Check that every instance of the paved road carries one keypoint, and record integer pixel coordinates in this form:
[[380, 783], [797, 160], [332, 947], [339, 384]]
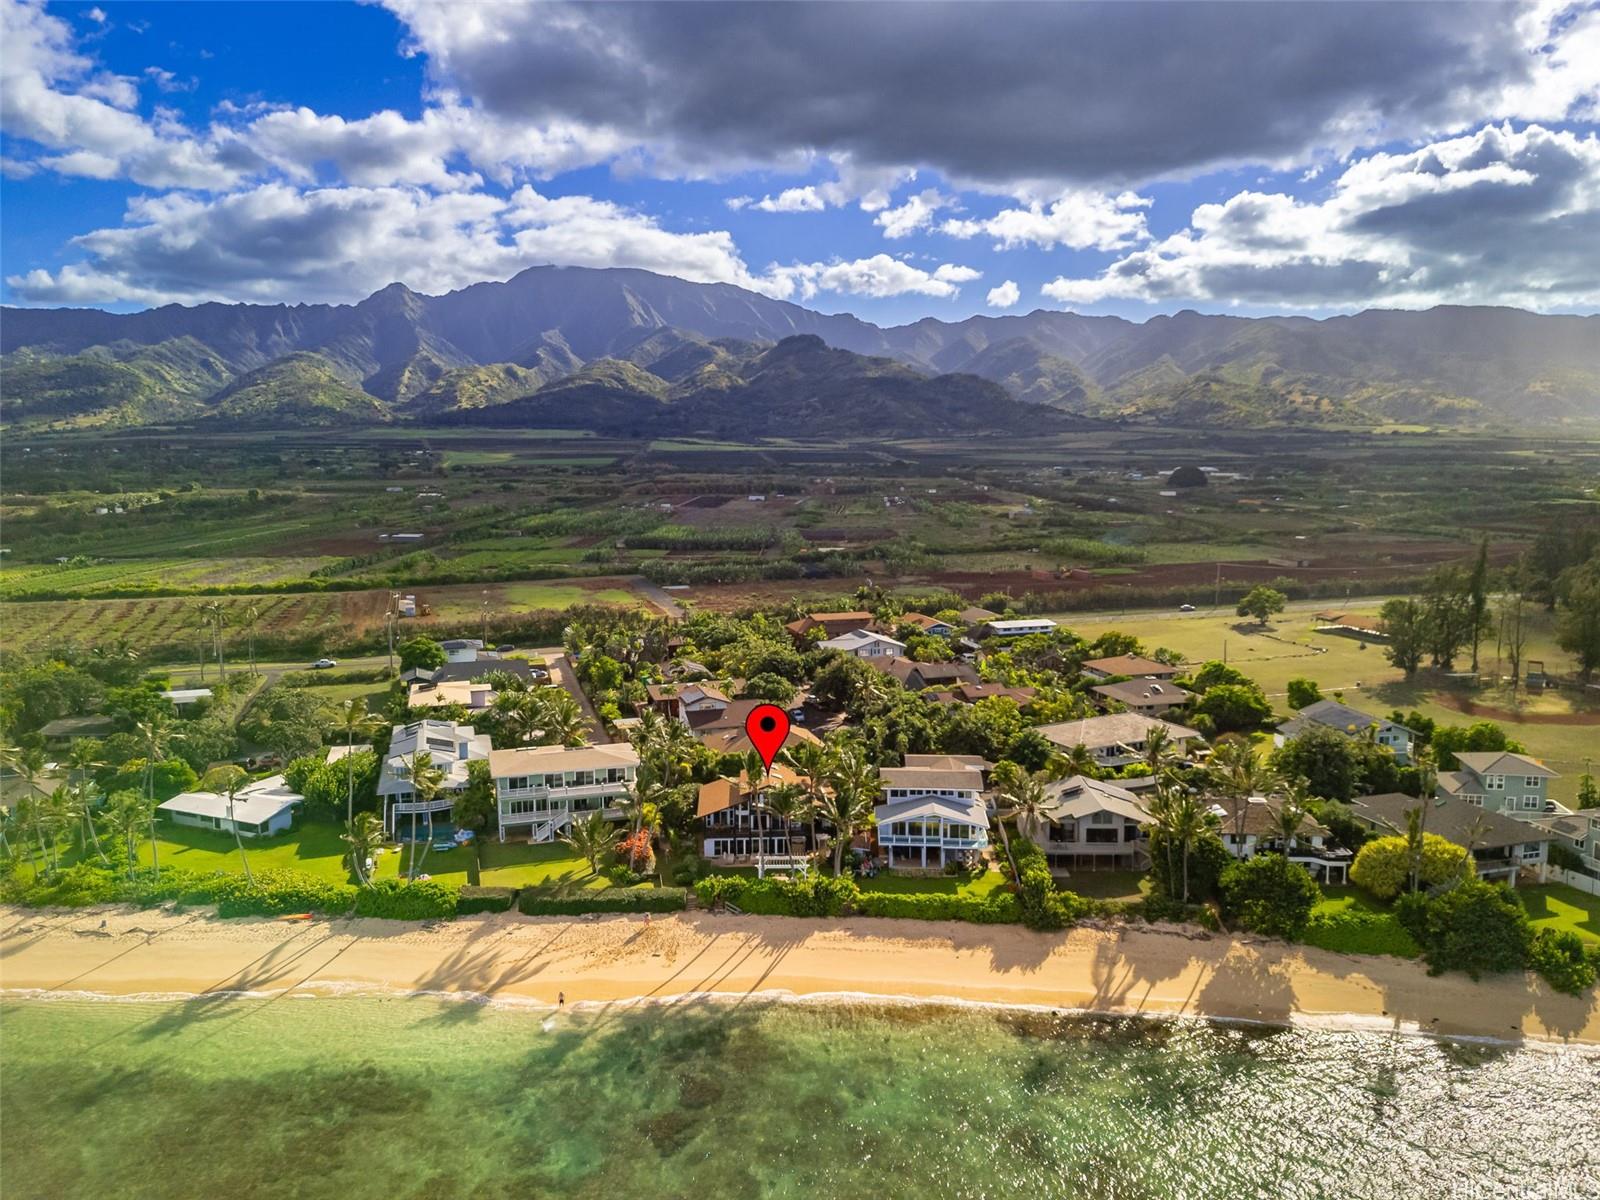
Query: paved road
[[563, 674], [658, 596]]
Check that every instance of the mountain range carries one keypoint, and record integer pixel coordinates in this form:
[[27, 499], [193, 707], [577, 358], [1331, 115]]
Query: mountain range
[[621, 350]]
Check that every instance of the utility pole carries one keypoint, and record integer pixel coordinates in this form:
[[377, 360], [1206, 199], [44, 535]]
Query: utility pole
[[1216, 595], [389, 620], [483, 617]]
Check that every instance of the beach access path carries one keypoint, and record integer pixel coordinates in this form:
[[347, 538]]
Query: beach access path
[[621, 960]]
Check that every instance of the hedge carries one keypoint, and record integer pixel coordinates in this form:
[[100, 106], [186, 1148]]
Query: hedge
[[808, 896], [639, 899], [1360, 931], [997, 908], [398, 900], [485, 899]]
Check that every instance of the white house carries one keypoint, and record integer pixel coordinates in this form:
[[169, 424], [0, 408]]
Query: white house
[[1090, 821], [540, 789], [1352, 722], [260, 809], [932, 811], [864, 643], [1019, 627], [473, 696], [450, 747], [1251, 825], [1116, 739]]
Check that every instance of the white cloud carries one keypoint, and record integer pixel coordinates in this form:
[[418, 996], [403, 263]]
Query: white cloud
[[97, 15], [793, 200], [1004, 296], [1077, 219], [914, 215], [879, 276], [1500, 216]]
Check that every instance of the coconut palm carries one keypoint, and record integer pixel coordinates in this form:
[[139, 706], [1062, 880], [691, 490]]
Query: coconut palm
[[227, 779], [364, 835], [127, 816], [214, 614], [667, 745], [591, 838], [813, 761], [250, 617], [848, 799], [1239, 774], [790, 803], [76, 803], [517, 716], [1018, 794], [353, 718], [1182, 818], [561, 718], [157, 735], [1160, 751], [426, 780], [1075, 760]]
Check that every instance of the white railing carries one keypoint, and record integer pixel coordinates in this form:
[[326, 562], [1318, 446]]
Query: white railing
[[422, 806], [578, 791], [931, 839]]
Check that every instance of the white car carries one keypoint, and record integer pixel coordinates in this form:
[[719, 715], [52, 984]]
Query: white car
[[1185, 608], [322, 664]]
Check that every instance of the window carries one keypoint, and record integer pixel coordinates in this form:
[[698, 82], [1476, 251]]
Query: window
[[1530, 850], [1473, 798], [1532, 802], [1530, 781], [1494, 783]]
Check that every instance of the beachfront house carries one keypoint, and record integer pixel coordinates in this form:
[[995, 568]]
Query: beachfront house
[[932, 811], [1090, 822], [738, 827], [1148, 697], [1252, 826], [1129, 666], [259, 809], [1352, 722], [1500, 781], [539, 790], [449, 747], [1502, 847], [1117, 739]]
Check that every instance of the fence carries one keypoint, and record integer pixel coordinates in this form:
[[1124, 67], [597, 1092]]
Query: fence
[[1584, 883]]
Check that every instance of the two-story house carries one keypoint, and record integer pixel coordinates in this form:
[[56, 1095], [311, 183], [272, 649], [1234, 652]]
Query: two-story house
[[1252, 826], [449, 747], [1501, 847], [1579, 832], [1133, 666], [1500, 781], [1117, 739], [1147, 697], [916, 676], [928, 625], [539, 790], [864, 643], [682, 701], [832, 624], [738, 826], [1090, 822], [1352, 722], [932, 811]]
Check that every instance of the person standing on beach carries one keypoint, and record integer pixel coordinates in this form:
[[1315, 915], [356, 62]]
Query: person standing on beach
[[561, 999]]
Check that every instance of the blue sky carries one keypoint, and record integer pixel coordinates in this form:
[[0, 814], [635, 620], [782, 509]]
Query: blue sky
[[895, 161]]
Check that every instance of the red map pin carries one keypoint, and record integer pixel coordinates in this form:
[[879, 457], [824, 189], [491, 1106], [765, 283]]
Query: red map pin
[[767, 726]]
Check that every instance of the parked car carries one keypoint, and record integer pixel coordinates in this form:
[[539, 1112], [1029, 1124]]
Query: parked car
[[322, 664], [797, 715], [1185, 608]]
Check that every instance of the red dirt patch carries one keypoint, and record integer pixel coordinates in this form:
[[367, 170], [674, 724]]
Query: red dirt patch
[[1468, 706]]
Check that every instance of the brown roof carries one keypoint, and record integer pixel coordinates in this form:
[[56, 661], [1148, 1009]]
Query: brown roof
[[725, 793], [923, 621], [975, 615], [732, 717], [737, 741], [1452, 819], [1130, 664], [1260, 816]]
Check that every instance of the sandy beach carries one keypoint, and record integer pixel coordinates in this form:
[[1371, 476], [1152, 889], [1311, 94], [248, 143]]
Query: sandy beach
[[621, 959]]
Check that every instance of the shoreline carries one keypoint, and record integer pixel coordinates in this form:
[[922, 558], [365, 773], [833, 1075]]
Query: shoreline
[[596, 962]]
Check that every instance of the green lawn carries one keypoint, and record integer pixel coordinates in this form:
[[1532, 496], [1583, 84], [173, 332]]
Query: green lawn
[[948, 885], [1108, 885], [1557, 906]]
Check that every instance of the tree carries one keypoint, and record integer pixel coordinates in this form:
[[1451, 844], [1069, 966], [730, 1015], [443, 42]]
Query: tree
[[1238, 773], [353, 719], [1303, 692], [1180, 822], [1478, 598], [76, 806], [1269, 894], [1513, 612], [561, 720], [1588, 792], [591, 838], [1450, 740], [288, 720], [1578, 618], [1018, 794], [127, 816], [1383, 866], [1475, 927], [426, 780], [1336, 765], [789, 803], [250, 617], [1160, 751], [848, 800], [364, 836], [1261, 602], [1214, 672], [476, 808], [1234, 708], [228, 780], [1405, 625], [771, 687], [421, 652]]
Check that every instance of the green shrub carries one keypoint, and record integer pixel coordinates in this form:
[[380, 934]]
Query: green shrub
[[485, 899], [640, 899], [75, 887], [1269, 894], [397, 900], [1383, 866], [714, 889], [1360, 931], [1041, 905], [997, 908], [1561, 957], [275, 893], [1474, 927]]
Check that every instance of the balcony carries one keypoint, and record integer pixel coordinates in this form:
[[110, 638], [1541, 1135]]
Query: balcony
[[438, 804], [931, 840]]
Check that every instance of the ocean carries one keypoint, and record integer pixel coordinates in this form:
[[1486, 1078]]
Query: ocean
[[379, 1098]]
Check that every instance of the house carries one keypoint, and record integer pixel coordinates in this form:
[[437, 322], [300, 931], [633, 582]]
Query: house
[[541, 789], [183, 696], [976, 616], [260, 809], [479, 667], [1352, 722], [1501, 846], [1132, 666], [919, 675], [832, 624], [1021, 627], [473, 696], [736, 826], [932, 811], [679, 700], [462, 650], [971, 693], [450, 747], [1116, 739], [927, 624], [710, 720], [734, 740], [1090, 821], [864, 643], [65, 729], [1150, 697], [1250, 826], [1499, 781], [1579, 832]]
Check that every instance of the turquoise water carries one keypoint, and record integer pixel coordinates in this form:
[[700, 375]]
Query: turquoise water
[[363, 1097]]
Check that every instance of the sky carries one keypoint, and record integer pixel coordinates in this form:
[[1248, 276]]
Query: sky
[[895, 160]]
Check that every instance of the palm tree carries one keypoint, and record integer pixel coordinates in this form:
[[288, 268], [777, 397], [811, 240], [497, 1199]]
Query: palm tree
[[227, 779], [1239, 775], [1077, 760], [364, 835], [215, 614], [590, 838], [353, 718], [560, 717], [249, 616], [814, 762], [1018, 794], [1288, 819], [1160, 751], [157, 737], [128, 815], [789, 803], [517, 715], [77, 810], [1181, 817], [847, 803], [426, 780], [666, 744]]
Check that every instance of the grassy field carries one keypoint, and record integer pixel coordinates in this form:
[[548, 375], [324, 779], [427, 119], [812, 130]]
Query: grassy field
[[1557, 906]]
